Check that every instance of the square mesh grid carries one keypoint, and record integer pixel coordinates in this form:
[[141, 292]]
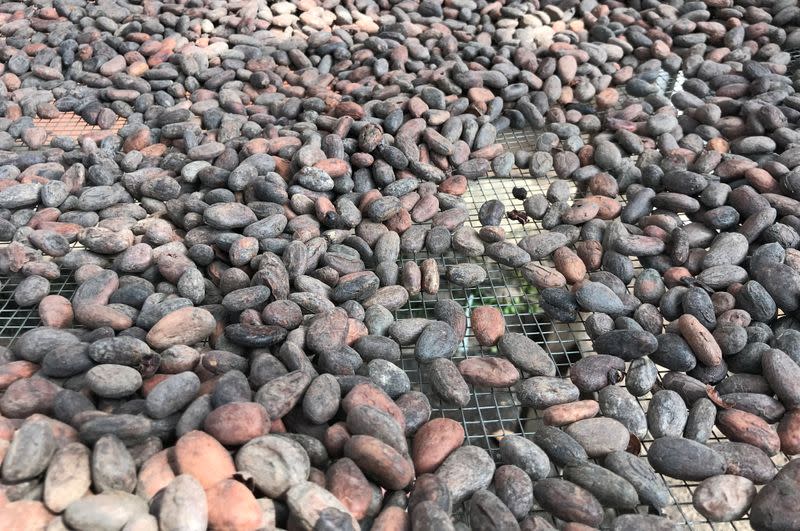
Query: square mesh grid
[[14, 320], [794, 62], [71, 125]]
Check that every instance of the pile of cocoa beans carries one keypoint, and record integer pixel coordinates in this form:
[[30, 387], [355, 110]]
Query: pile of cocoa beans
[[290, 174]]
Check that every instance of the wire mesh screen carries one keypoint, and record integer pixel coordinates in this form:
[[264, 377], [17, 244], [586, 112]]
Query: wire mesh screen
[[794, 63], [71, 125], [15, 320]]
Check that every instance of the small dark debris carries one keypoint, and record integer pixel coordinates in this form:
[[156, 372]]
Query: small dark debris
[[518, 215]]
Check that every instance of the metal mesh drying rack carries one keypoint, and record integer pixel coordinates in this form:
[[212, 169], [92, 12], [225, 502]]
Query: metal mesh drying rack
[[491, 413]]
